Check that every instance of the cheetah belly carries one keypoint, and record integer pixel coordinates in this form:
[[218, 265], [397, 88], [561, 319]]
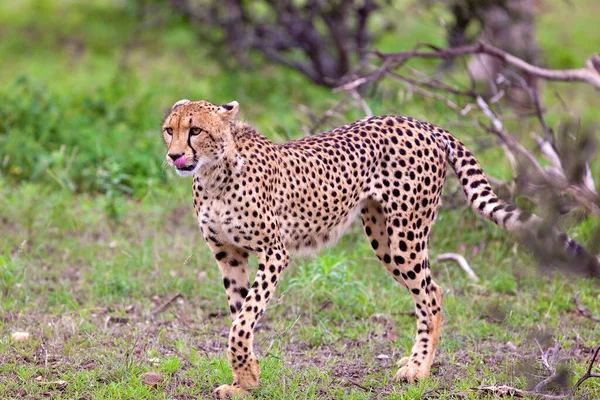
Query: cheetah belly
[[305, 236]]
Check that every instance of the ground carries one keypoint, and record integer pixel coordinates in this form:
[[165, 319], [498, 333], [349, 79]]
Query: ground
[[85, 288]]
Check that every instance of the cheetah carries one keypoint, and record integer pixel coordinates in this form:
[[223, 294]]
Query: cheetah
[[252, 195]]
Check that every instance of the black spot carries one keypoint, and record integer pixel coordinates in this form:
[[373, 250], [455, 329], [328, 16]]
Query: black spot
[[399, 260], [403, 246]]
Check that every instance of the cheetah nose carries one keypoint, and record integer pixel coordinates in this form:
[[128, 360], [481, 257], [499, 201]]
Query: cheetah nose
[[180, 161], [174, 156]]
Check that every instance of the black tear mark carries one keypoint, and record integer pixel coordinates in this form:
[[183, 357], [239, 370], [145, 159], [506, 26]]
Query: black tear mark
[[189, 141]]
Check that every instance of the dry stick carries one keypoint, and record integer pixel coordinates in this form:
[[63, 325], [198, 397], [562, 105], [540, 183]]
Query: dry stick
[[582, 310], [588, 74], [373, 76], [549, 366], [166, 305], [358, 385], [363, 104], [461, 261], [508, 390]]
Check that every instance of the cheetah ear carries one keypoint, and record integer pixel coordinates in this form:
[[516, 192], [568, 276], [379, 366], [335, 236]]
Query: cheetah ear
[[180, 103], [229, 111]]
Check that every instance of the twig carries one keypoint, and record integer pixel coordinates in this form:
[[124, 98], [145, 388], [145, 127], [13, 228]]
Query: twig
[[588, 373], [582, 310], [45, 356], [504, 390], [548, 151], [166, 305], [539, 112], [461, 261], [363, 104], [358, 385], [373, 76]]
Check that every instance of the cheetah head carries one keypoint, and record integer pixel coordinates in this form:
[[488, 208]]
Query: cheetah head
[[198, 133]]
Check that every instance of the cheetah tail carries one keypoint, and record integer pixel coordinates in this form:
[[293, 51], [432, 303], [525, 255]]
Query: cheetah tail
[[549, 245]]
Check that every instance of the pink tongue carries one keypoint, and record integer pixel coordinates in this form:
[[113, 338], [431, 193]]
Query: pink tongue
[[180, 162]]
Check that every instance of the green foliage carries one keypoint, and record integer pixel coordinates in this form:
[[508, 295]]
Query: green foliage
[[12, 273], [97, 143]]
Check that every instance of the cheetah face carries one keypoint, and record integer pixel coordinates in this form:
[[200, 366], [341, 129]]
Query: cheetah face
[[197, 133]]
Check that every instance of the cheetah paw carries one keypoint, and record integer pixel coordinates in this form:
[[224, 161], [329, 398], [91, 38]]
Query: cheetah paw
[[229, 392], [409, 372], [403, 361]]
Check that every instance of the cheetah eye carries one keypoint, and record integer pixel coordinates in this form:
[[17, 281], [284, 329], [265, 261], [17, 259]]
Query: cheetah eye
[[195, 131], [169, 131]]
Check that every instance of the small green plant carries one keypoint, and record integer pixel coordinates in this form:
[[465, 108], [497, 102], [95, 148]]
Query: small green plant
[[170, 365], [12, 274]]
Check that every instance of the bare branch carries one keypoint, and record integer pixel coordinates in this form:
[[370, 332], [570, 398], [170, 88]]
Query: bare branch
[[461, 261], [589, 74], [363, 104], [318, 39]]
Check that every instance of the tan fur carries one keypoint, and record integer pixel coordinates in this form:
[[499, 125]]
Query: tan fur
[[252, 195]]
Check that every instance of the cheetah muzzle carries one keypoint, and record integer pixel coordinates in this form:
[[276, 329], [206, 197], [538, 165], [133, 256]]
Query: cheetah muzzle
[[252, 195]]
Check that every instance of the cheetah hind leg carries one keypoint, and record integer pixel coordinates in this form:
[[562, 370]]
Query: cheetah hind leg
[[413, 275], [429, 324]]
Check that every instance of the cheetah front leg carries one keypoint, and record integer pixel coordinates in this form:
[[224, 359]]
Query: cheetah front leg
[[244, 365], [233, 263]]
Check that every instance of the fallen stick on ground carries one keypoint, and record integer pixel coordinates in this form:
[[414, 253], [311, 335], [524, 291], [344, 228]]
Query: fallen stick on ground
[[461, 261], [582, 310], [164, 306], [504, 390]]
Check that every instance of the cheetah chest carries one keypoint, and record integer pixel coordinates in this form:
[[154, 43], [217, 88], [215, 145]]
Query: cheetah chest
[[217, 222]]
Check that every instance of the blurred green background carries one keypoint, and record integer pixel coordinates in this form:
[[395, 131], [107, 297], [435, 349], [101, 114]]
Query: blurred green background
[[85, 85]]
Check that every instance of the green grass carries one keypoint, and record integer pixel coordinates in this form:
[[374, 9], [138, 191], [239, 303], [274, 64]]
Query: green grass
[[96, 234], [333, 318]]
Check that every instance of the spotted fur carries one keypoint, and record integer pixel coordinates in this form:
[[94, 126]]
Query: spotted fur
[[252, 195]]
